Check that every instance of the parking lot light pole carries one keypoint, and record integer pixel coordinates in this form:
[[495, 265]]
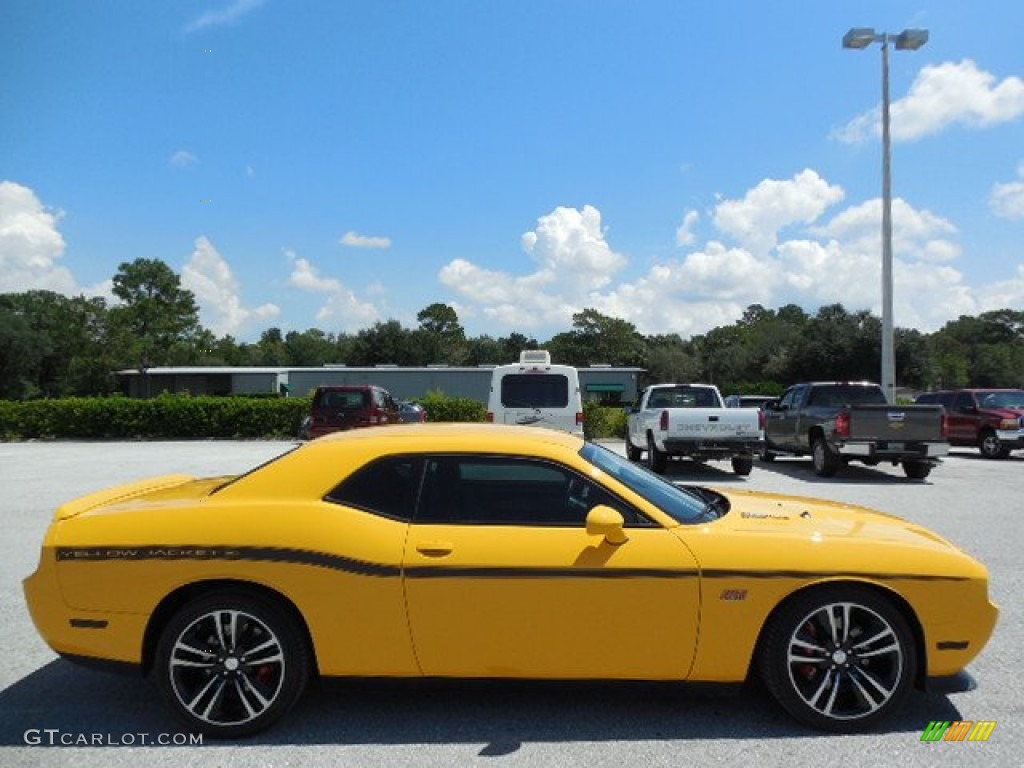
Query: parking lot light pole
[[907, 40]]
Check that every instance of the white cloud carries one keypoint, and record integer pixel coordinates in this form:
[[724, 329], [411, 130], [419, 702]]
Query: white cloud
[[943, 95], [916, 234], [573, 261], [355, 240], [342, 308], [30, 244], [684, 233], [229, 14], [183, 159], [217, 292], [786, 253], [1007, 200], [756, 220]]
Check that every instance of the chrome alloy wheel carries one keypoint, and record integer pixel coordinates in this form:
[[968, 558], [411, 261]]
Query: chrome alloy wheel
[[227, 668], [845, 661]]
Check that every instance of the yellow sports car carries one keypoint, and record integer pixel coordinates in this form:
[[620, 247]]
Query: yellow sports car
[[489, 551]]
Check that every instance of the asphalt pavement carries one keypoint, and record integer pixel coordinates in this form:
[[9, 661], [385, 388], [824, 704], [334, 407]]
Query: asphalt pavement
[[53, 713]]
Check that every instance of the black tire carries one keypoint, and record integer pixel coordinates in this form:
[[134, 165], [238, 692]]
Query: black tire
[[632, 452], [991, 446], [825, 462], [838, 658], [656, 459], [742, 465], [917, 470], [231, 663]]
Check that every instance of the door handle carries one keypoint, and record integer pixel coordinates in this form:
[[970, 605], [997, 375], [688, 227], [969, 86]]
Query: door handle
[[435, 548]]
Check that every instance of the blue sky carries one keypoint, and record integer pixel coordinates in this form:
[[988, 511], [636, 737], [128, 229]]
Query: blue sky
[[332, 164]]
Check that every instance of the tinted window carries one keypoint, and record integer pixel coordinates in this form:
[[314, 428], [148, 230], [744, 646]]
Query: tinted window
[[341, 399], [387, 487], [511, 491], [963, 401], [837, 395], [524, 390], [683, 397]]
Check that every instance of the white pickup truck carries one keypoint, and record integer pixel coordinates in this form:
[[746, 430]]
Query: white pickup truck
[[691, 420]]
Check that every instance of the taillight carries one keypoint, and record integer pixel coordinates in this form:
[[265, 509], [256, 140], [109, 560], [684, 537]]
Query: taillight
[[579, 418], [843, 424], [663, 423], [760, 420], [944, 428]]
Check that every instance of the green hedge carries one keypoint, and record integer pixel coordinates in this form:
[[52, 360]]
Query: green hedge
[[603, 421], [441, 407], [183, 416], [165, 416]]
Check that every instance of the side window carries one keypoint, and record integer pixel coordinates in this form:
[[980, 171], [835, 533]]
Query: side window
[[386, 487], [789, 398], [962, 401], [485, 490]]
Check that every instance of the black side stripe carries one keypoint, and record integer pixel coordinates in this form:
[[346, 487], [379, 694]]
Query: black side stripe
[[764, 574], [364, 568], [249, 554], [442, 572]]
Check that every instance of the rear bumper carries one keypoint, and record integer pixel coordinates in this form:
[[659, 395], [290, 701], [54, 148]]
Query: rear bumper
[[893, 450], [710, 448]]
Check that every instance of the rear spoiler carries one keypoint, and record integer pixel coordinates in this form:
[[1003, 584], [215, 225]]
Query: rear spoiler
[[119, 493]]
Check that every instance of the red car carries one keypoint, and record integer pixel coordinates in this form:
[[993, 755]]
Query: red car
[[992, 419], [337, 408]]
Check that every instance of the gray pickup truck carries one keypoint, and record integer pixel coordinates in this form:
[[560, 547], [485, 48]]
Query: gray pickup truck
[[839, 422]]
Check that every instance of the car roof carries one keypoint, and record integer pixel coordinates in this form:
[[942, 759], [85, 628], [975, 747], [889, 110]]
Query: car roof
[[451, 436]]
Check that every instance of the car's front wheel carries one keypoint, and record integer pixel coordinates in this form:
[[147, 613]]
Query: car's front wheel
[[992, 447], [838, 658], [231, 663]]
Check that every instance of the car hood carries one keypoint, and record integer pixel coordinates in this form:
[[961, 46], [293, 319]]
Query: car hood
[[818, 520], [154, 493]]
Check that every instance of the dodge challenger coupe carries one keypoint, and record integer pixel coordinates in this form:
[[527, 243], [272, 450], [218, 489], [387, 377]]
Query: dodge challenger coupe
[[490, 551]]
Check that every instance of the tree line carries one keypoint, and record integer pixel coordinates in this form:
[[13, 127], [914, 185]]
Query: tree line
[[53, 345]]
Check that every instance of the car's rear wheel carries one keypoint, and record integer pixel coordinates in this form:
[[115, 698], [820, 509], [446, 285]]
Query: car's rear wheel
[[825, 462], [917, 470], [838, 658], [656, 459], [632, 452], [231, 663], [742, 465]]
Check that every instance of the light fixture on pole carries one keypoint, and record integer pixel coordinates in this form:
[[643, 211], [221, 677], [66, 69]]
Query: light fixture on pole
[[907, 40]]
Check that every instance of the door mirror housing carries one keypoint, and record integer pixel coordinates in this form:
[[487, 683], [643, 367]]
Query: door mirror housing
[[602, 520]]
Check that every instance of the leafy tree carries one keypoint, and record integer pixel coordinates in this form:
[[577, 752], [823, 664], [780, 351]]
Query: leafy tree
[[598, 338], [155, 311], [440, 337], [385, 343]]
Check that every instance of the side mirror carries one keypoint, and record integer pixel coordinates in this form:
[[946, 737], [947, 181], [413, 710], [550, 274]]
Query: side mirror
[[602, 520]]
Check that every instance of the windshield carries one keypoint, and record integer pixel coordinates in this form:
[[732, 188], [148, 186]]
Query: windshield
[[682, 505], [1013, 398]]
